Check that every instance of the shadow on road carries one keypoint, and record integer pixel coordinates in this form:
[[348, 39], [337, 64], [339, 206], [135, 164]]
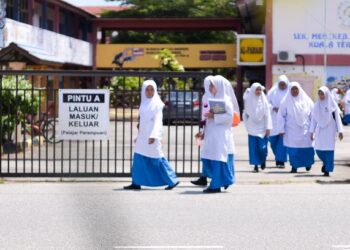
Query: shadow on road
[[309, 175], [346, 181], [278, 172]]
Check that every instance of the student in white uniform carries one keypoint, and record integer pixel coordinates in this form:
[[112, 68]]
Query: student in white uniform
[[346, 106], [294, 117], [336, 95], [258, 122], [217, 139], [275, 96], [325, 125], [202, 180], [150, 168], [230, 92], [245, 94]]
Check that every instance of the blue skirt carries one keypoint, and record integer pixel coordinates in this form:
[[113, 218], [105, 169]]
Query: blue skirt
[[278, 149], [301, 157], [327, 157], [221, 173], [346, 119], [231, 165], [230, 162], [152, 172], [257, 150]]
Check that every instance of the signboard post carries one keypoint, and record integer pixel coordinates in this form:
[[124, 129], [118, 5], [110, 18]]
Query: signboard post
[[83, 114], [251, 50]]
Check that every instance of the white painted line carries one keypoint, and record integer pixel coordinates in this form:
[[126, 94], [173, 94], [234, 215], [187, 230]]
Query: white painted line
[[169, 247], [341, 246]]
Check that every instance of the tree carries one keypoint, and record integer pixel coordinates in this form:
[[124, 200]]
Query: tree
[[174, 8], [17, 101]]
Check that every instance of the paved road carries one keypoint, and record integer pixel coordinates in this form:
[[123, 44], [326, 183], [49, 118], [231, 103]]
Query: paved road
[[102, 216]]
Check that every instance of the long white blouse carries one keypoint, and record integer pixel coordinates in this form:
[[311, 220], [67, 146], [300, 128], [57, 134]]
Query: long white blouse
[[150, 127], [218, 136], [295, 136], [325, 137]]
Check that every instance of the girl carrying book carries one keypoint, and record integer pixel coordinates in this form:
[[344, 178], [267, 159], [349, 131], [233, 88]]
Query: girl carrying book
[[217, 139]]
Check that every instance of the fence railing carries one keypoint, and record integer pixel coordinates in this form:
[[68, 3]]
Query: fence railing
[[29, 121]]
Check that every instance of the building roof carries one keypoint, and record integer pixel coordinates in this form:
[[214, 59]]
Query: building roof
[[19, 53], [98, 10], [15, 52], [72, 7]]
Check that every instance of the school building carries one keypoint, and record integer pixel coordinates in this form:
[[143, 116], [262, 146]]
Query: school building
[[309, 41]]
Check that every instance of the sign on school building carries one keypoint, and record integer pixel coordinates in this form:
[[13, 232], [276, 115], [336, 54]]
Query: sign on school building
[[144, 55], [311, 27], [83, 114], [251, 50]]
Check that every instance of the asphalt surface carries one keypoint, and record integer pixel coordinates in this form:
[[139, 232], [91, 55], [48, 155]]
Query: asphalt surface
[[103, 216]]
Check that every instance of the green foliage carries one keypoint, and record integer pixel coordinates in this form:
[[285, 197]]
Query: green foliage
[[17, 101], [130, 83], [171, 37], [168, 61], [125, 91], [174, 8]]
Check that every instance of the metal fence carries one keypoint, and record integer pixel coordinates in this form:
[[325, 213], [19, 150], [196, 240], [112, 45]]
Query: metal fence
[[29, 120]]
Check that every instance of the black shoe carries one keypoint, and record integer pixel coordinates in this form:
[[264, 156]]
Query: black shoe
[[263, 166], [202, 181], [132, 187], [294, 170], [171, 187], [308, 169], [280, 164], [326, 174], [212, 190], [323, 169], [256, 169]]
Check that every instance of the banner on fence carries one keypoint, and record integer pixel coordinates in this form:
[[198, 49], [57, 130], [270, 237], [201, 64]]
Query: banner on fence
[[83, 114]]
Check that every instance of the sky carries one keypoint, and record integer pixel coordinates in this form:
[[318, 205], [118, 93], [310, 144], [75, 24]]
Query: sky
[[91, 2]]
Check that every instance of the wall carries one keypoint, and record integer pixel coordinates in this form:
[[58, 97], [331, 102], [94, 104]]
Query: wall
[[48, 45], [319, 30]]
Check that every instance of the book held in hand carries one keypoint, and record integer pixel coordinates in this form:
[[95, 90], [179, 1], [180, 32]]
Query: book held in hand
[[217, 106]]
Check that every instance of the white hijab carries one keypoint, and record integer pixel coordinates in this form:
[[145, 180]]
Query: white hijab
[[149, 106], [246, 93], [335, 95], [229, 92], [206, 84], [221, 92], [347, 96], [256, 107], [275, 94], [301, 105], [322, 111]]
